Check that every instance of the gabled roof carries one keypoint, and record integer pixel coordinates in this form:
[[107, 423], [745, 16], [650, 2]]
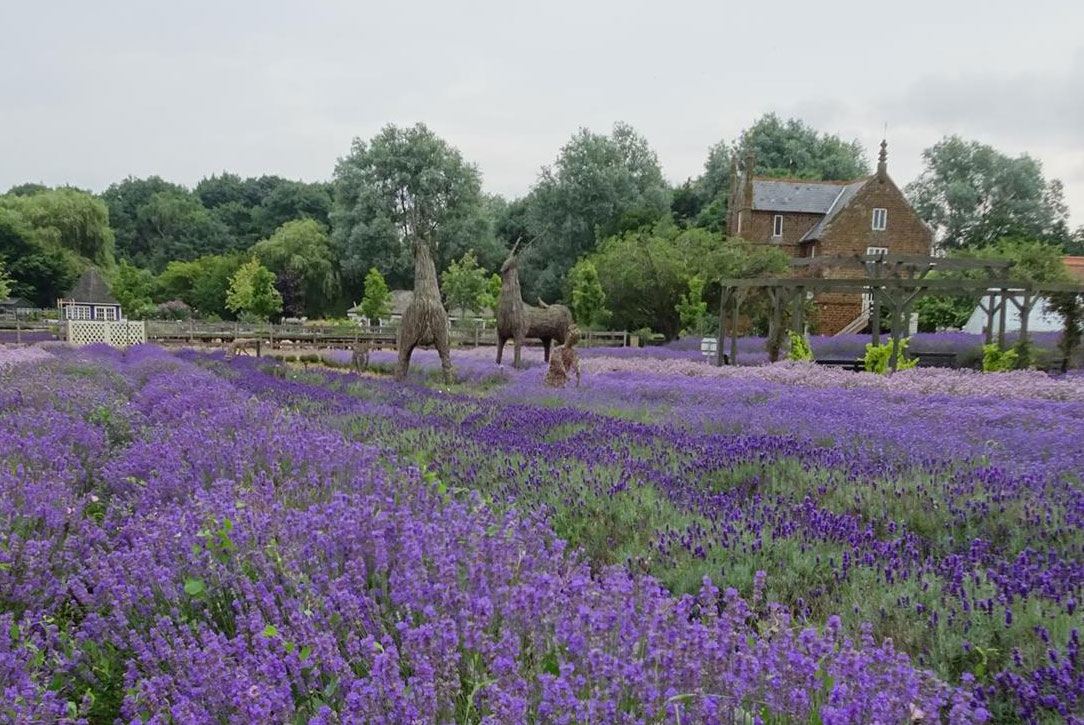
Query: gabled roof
[[845, 196], [807, 197], [16, 302], [93, 289]]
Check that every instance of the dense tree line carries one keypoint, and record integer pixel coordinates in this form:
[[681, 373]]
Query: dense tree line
[[607, 233]]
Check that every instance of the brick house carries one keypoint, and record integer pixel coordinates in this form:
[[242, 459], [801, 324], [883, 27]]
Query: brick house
[[827, 218]]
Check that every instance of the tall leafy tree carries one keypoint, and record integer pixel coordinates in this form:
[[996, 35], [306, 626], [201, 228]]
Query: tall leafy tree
[[645, 273], [406, 184], [5, 281], [464, 284], [588, 299], [599, 186], [202, 284], [134, 288], [974, 195], [792, 149], [252, 292], [158, 222], [376, 302], [292, 200], [69, 219], [692, 309], [782, 149], [41, 270], [300, 251]]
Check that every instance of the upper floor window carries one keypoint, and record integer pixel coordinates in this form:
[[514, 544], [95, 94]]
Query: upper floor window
[[777, 225], [880, 220]]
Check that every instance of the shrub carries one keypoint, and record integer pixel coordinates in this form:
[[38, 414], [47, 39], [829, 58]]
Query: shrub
[[996, 360], [878, 357], [799, 348]]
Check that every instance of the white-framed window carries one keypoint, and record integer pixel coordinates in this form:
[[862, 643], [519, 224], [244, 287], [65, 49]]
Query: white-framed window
[[777, 225], [882, 251], [880, 220], [108, 314], [77, 312]]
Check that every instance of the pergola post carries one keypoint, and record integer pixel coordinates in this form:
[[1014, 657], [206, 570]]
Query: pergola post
[[720, 341], [798, 313], [775, 323], [1002, 312], [875, 313], [739, 295], [990, 309]]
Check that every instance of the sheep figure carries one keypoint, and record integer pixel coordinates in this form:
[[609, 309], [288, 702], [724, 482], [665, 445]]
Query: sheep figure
[[241, 344], [517, 321], [425, 321]]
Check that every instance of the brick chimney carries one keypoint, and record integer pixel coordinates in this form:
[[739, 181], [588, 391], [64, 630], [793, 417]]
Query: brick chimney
[[882, 162], [733, 203]]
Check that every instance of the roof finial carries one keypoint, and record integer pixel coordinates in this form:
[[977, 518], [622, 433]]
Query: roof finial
[[882, 161]]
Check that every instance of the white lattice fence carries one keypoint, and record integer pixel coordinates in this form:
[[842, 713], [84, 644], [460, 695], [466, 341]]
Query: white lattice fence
[[116, 334]]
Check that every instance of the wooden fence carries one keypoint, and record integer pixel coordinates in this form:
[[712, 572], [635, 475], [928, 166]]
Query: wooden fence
[[275, 336]]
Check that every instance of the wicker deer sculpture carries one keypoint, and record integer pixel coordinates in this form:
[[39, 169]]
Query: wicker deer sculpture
[[424, 321], [517, 321]]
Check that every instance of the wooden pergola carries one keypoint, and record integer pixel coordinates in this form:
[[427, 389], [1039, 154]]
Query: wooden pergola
[[897, 281]]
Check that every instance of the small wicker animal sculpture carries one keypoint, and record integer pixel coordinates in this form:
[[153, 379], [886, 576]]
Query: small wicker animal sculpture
[[424, 321], [564, 361], [517, 321], [359, 358], [240, 345]]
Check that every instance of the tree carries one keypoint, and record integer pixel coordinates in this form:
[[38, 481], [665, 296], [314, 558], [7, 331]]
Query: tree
[[599, 186], [588, 297], [202, 284], [299, 252], [158, 222], [293, 200], [1030, 261], [488, 300], [134, 288], [42, 270], [5, 282], [252, 292], [782, 149], [406, 184], [791, 149], [645, 273], [973, 195], [692, 309], [27, 189], [69, 219], [376, 302], [465, 284]]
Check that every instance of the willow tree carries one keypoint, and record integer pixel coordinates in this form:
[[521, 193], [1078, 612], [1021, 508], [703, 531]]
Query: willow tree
[[398, 199]]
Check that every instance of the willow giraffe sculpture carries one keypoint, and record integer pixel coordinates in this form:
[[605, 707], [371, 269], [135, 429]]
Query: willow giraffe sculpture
[[517, 321], [424, 321]]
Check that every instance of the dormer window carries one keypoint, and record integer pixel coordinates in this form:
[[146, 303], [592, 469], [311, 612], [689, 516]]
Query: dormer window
[[777, 225], [880, 220]]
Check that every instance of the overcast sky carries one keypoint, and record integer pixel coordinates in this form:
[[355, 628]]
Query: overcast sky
[[91, 92]]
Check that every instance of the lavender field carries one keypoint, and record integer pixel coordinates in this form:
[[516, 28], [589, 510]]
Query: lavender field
[[194, 540]]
